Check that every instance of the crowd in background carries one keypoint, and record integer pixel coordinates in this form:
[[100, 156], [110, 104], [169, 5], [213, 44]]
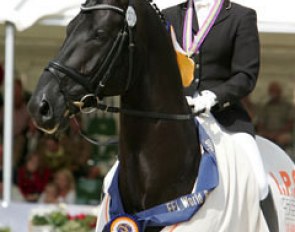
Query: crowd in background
[[275, 118], [51, 169], [70, 170]]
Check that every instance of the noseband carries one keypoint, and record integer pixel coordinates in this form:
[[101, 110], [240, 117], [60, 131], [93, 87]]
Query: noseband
[[103, 74]]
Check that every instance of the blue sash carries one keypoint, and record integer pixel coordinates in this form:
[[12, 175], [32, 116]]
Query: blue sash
[[182, 208]]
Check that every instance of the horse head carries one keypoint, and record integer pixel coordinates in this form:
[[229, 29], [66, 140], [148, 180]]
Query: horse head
[[92, 62]]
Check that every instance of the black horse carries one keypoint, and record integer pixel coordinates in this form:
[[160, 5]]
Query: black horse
[[105, 55]]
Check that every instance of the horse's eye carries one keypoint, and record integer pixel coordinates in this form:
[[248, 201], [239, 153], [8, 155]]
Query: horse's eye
[[99, 34]]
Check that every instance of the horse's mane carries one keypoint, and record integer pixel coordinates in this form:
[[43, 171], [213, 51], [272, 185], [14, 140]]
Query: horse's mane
[[156, 37], [157, 10]]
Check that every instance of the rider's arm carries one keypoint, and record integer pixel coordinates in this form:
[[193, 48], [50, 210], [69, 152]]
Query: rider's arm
[[245, 62]]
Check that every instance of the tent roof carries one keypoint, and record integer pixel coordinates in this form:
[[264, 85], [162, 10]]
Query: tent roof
[[24, 13]]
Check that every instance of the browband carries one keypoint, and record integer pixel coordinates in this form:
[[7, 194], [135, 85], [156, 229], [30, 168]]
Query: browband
[[102, 7]]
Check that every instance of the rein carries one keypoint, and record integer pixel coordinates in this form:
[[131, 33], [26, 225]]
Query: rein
[[93, 102]]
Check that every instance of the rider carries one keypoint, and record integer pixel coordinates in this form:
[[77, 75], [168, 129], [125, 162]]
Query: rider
[[226, 67]]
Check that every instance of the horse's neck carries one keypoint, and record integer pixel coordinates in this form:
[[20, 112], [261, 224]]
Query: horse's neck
[[159, 159]]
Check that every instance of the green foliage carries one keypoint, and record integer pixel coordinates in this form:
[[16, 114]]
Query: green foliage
[[61, 222], [57, 218], [40, 220]]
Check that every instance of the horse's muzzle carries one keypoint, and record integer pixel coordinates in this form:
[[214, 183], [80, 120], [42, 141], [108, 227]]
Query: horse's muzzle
[[42, 114]]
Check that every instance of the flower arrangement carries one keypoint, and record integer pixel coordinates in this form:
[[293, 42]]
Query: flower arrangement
[[58, 221]]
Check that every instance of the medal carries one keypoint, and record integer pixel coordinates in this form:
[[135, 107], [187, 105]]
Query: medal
[[186, 67], [191, 44], [124, 224], [185, 64]]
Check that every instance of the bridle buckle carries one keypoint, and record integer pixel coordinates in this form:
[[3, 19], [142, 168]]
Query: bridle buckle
[[88, 103]]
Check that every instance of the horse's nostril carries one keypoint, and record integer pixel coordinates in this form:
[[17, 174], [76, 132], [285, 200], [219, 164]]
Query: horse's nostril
[[44, 108]]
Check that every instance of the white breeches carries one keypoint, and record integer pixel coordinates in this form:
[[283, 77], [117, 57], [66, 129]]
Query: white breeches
[[249, 146]]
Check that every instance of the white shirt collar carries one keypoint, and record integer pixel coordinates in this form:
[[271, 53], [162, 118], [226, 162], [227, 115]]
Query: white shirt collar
[[202, 8], [203, 3]]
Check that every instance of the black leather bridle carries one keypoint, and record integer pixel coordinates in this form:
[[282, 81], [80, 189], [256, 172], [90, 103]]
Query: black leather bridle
[[103, 74], [104, 69]]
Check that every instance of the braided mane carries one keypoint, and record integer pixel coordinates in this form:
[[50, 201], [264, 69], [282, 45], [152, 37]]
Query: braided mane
[[158, 11]]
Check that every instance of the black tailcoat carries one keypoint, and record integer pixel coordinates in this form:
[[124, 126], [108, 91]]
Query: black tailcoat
[[227, 63]]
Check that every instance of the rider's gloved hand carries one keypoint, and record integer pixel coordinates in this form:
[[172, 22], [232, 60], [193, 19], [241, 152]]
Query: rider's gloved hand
[[203, 102]]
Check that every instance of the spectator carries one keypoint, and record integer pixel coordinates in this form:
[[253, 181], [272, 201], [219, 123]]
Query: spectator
[[32, 178], [53, 154], [34, 138], [21, 122], [78, 148], [66, 186], [277, 117], [50, 194], [250, 107], [89, 187]]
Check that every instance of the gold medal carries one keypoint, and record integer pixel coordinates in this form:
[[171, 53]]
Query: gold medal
[[186, 67]]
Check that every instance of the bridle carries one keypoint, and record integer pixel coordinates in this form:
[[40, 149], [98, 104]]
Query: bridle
[[105, 69]]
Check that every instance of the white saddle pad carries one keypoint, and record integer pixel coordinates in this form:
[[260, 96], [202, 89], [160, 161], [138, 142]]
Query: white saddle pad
[[233, 206], [281, 173]]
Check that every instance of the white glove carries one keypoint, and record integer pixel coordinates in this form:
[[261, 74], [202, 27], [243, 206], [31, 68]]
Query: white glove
[[204, 101]]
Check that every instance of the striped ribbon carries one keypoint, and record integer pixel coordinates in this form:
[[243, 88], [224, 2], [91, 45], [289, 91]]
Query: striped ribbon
[[191, 44]]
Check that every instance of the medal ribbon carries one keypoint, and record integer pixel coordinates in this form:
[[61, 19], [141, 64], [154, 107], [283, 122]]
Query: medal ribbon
[[192, 44], [182, 208]]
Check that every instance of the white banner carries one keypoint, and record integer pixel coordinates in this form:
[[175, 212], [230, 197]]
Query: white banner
[[24, 13], [273, 16]]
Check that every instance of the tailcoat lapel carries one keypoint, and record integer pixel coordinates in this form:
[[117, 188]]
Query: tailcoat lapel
[[181, 10], [224, 13]]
